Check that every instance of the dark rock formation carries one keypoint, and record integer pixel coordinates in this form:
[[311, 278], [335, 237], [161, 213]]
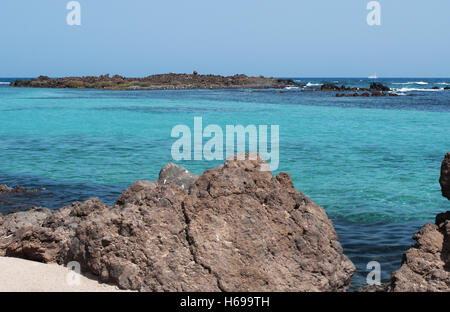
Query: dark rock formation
[[329, 87], [445, 177], [237, 229], [426, 266], [376, 86], [172, 173], [375, 89], [158, 82], [18, 189], [366, 94]]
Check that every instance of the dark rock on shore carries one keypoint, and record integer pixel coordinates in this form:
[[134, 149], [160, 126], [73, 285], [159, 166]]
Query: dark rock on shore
[[366, 94], [376, 86], [237, 228], [375, 89], [18, 189], [445, 177], [159, 82], [426, 266], [330, 87]]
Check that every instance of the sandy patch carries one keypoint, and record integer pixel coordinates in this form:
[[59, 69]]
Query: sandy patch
[[18, 275]]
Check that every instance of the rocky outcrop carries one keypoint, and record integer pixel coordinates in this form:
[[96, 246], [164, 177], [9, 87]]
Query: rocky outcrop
[[332, 87], [375, 87], [172, 173], [236, 228], [18, 189], [158, 82], [445, 177], [426, 266], [366, 94]]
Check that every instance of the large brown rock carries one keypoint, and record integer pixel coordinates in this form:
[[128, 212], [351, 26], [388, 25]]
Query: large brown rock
[[426, 266], [445, 177], [237, 229], [255, 233]]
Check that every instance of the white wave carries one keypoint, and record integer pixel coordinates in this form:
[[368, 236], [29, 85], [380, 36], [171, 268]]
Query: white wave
[[444, 83], [310, 84], [415, 89], [4, 83], [410, 83], [290, 88]]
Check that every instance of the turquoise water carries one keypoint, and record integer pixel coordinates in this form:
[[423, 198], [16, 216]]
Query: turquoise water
[[372, 163]]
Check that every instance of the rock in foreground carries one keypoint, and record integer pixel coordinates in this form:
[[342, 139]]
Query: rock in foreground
[[237, 229], [426, 266], [445, 177]]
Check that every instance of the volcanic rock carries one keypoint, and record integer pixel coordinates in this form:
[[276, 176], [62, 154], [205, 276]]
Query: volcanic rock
[[158, 82], [445, 177], [426, 266], [376, 86], [329, 87], [18, 189], [238, 228], [172, 173]]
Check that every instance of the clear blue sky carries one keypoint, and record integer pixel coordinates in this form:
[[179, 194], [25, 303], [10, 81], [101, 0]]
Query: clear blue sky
[[297, 38]]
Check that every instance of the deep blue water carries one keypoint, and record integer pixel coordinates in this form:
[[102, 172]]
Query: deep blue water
[[373, 163]]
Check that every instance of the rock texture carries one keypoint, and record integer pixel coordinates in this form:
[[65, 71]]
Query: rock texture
[[426, 266], [172, 173], [236, 228], [375, 89], [18, 189], [445, 177], [158, 82]]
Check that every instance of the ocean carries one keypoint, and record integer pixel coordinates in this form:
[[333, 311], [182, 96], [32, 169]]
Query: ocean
[[372, 163]]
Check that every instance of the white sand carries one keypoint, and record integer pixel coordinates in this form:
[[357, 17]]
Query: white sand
[[18, 275]]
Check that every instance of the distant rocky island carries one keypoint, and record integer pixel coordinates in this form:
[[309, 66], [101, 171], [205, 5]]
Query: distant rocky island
[[159, 82]]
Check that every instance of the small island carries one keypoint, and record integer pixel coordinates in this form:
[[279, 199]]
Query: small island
[[159, 82]]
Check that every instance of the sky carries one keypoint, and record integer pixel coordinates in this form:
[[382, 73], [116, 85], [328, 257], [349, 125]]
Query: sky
[[279, 38]]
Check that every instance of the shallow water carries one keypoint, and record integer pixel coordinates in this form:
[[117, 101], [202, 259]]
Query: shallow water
[[373, 163]]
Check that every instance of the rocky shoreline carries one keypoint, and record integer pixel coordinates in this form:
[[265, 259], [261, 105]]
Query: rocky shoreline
[[375, 89], [234, 228], [159, 82], [426, 265]]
